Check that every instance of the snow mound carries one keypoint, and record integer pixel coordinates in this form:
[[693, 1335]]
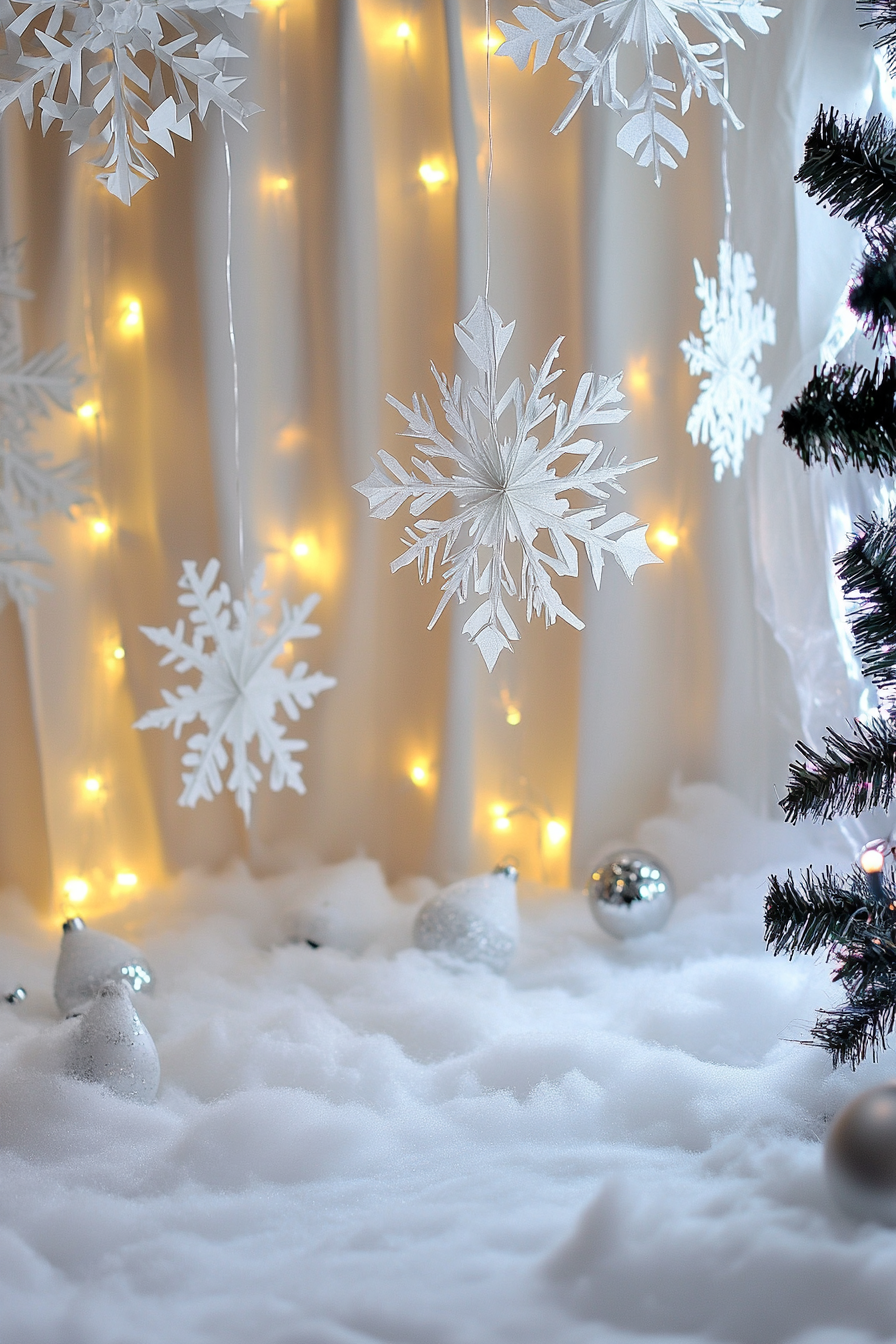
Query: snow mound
[[354, 1143]]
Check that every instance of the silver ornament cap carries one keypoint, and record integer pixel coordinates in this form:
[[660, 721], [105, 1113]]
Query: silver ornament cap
[[630, 893], [860, 1156], [88, 958], [112, 1047], [476, 920]]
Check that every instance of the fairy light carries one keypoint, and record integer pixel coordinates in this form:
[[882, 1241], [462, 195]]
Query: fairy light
[[490, 41], [100, 528], [872, 861], [300, 549], [126, 879], [93, 786], [433, 174], [118, 653], [513, 715], [668, 540], [76, 889], [404, 32], [555, 832], [419, 774], [278, 185], [130, 323], [88, 410], [637, 379]]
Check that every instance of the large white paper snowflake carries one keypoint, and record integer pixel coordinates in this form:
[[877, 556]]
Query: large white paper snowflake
[[507, 487], [31, 483], [732, 404], [118, 74], [591, 37], [240, 689]]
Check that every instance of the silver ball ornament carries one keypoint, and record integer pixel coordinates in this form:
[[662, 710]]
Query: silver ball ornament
[[88, 958], [860, 1156], [476, 920], [111, 1046], [630, 894]]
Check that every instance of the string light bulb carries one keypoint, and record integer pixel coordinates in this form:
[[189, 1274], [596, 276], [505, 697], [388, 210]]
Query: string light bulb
[[118, 653], [513, 715], [490, 41], [404, 32], [638, 381], [100, 528], [131, 321], [419, 774], [76, 889], [126, 879], [555, 831], [667, 539], [301, 548], [433, 174], [93, 786], [88, 410]]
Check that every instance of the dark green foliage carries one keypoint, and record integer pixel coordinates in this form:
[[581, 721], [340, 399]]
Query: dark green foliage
[[845, 416], [861, 1026], [873, 293], [883, 17], [867, 571], [850, 165], [850, 775], [801, 916]]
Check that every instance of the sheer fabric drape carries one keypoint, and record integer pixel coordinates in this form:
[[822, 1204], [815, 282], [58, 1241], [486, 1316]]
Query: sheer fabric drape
[[348, 274]]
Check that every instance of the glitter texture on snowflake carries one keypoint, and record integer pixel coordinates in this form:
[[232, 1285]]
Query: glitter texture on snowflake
[[31, 484], [591, 37], [118, 74], [732, 404], [240, 689], [507, 487]]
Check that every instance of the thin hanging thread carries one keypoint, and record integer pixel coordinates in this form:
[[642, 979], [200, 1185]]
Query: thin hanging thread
[[236, 377], [726, 185], [491, 146]]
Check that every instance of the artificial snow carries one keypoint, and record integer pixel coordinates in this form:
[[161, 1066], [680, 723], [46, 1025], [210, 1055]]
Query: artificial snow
[[357, 1143]]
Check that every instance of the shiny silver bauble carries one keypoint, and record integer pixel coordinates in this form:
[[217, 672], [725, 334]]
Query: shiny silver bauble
[[111, 1046], [630, 893], [476, 920], [860, 1156], [88, 958]]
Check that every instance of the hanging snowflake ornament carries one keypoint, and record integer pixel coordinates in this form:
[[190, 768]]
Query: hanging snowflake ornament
[[240, 689], [120, 73], [732, 404], [591, 37], [507, 488], [31, 483]]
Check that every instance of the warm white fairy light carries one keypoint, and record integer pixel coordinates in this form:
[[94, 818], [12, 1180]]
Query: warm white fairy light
[[433, 174], [76, 889], [130, 323], [100, 528], [126, 879], [665, 538], [555, 832], [88, 410]]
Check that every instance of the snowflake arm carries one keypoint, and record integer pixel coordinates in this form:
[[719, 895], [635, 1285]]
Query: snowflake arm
[[589, 36], [732, 403], [240, 689], [507, 488]]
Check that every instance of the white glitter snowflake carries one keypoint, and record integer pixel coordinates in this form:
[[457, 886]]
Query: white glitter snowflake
[[240, 689], [507, 487], [31, 483], [732, 404], [591, 49], [115, 73]]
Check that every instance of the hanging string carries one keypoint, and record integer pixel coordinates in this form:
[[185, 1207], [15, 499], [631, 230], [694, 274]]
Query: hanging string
[[491, 146], [726, 185], [236, 378]]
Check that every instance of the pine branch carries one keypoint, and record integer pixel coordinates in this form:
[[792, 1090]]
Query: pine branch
[[872, 296], [851, 775], [820, 909], [858, 1028], [845, 416], [867, 571], [883, 17], [850, 165]]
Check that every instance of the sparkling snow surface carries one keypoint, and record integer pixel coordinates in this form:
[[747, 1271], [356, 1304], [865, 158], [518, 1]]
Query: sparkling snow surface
[[616, 1142]]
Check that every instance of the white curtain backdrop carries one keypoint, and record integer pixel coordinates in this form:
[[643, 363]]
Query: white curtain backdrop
[[348, 274]]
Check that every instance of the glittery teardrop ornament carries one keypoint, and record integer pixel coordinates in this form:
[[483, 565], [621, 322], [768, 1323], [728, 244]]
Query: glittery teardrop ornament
[[630, 893], [475, 920], [88, 958], [860, 1156], [111, 1046]]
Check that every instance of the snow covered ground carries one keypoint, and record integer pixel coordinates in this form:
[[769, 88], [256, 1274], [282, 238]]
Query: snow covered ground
[[616, 1142]]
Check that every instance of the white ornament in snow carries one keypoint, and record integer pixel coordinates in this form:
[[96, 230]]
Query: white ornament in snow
[[31, 484], [592, 34], [732, 404], [123, 68], [88, 958], [474, 920], [507, 487], [240, 689], [111, 1046]]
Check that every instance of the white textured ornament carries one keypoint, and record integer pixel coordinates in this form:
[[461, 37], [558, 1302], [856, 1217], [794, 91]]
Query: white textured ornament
[[860, 1156], [507, 487], [88, 958], [732, 404], [474, 920], [591, 35], [630, 894], [240, 689], [112, 1047]]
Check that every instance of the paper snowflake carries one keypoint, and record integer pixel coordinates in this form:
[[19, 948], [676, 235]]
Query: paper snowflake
[[31, 484], [732, 404], [115, 73], [240, 689], [507, 487], [591, 37]]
